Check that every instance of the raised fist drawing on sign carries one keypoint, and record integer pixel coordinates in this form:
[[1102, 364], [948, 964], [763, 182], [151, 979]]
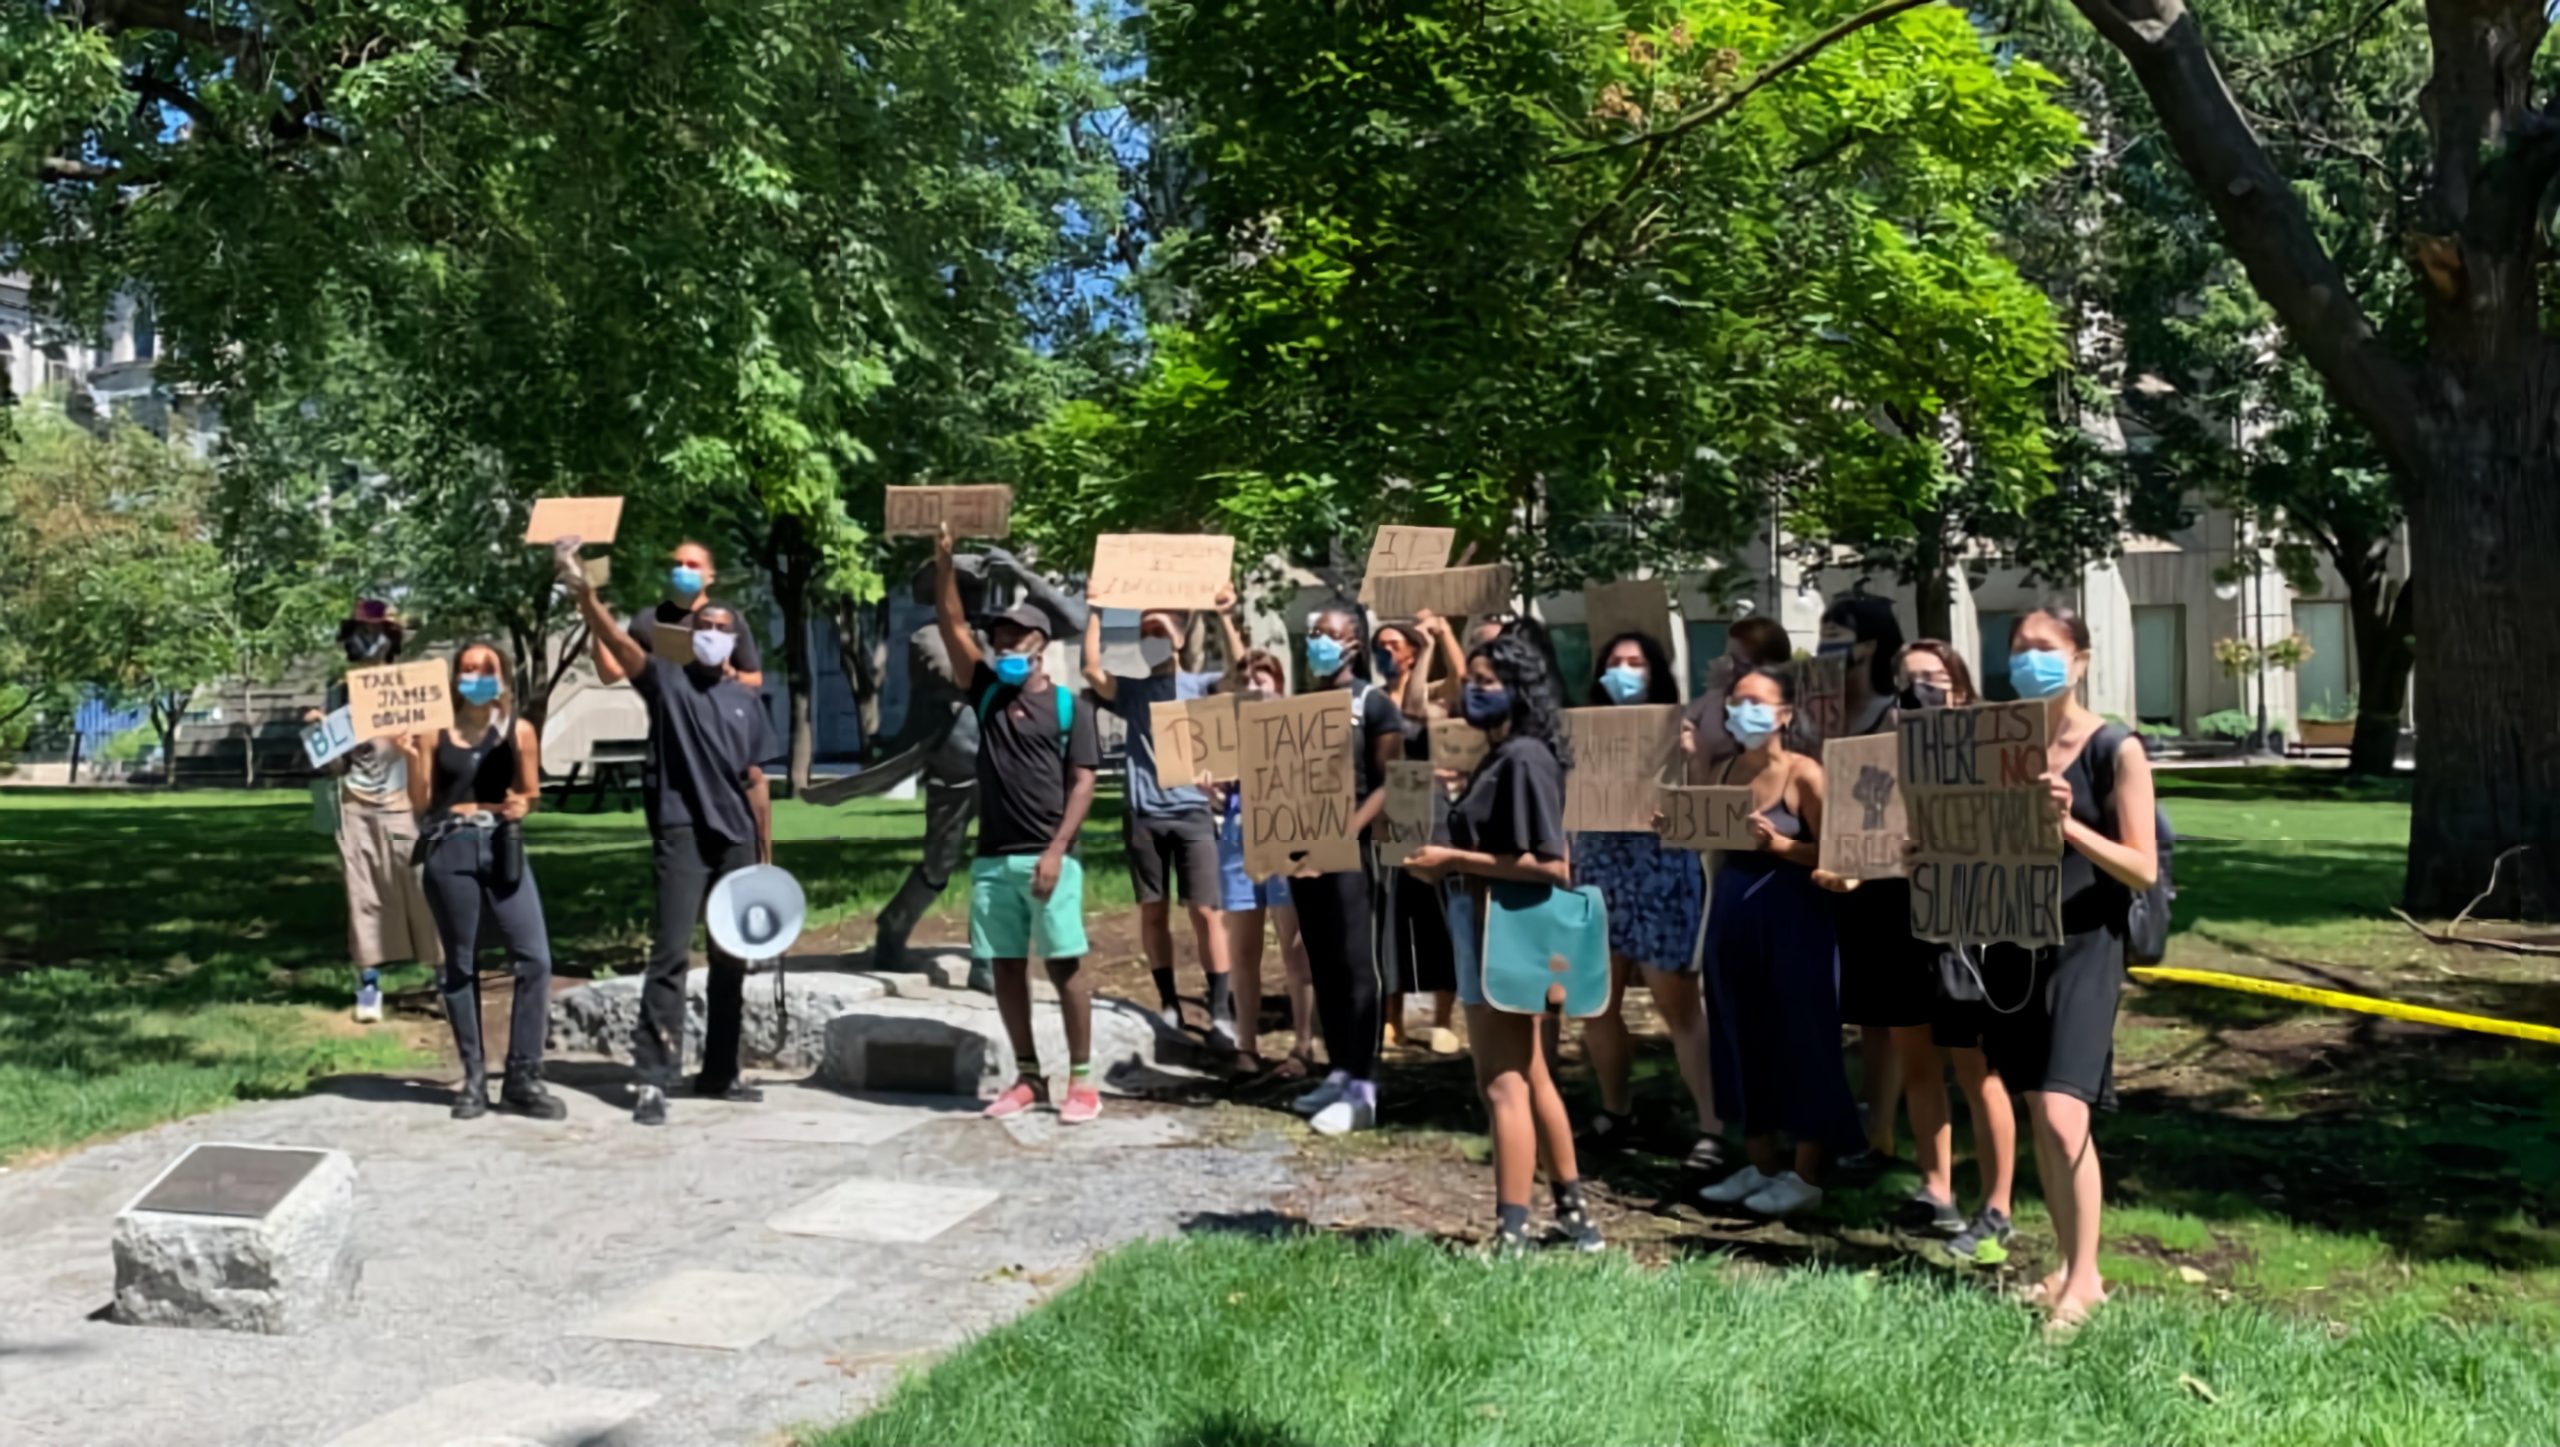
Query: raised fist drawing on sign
[[1874, 794]]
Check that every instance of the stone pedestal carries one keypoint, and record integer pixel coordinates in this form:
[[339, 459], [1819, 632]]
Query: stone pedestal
[[955, 1044], [599, 1018], [238, 1238]]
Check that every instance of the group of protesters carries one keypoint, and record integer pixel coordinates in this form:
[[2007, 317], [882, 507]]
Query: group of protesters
[[1754, 959]]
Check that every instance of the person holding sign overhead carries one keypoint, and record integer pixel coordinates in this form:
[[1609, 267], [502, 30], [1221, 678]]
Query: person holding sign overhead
[[1509, 825], [387, 916], [472, 786], [1655, 897], [1037, 756], [1336, 911], [1171, 838], [1770, 965], [1886, 982], [1415, 956], [710, 814], [2055, 1045], [690, 574]]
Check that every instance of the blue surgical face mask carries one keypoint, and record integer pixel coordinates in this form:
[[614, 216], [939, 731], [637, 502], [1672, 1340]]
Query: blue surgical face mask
[[1837, 648], [1013, 670], [1624, 684], [1325, 654], [684, 582], [1387, 669], [1750, 721], [2039, 672], [1487, 707], [477, 689]]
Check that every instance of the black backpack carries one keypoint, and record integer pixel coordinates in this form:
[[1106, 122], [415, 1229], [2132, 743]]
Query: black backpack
[[2146, 924]]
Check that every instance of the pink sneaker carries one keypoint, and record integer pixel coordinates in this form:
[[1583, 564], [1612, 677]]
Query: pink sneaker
[[1083, 1104], [1017, 1098]]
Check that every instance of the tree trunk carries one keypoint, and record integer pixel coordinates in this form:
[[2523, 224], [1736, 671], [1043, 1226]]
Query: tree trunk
[[2384, 657], [166, 715], [794, 566], [248, 736], [1933, 594], [862, 638], [2484, 530]]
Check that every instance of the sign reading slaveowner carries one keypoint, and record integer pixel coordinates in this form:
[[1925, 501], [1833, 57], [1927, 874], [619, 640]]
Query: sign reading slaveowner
[[404, 698], [1989, 866]]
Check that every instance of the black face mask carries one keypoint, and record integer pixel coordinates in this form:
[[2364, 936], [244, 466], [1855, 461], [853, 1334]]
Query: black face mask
[[1923, 695]]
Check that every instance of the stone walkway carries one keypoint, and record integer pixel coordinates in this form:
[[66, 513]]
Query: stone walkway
[[743, 1271]]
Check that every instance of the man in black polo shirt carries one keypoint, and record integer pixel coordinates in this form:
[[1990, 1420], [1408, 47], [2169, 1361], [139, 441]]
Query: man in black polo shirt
[[1037, 753], [709, 815], [690, 575]]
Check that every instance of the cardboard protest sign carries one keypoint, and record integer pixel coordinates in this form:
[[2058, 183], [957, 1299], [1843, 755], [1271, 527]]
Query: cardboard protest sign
[[1641, 605], [1863, 817], [331, 739], [1718, 817], [588, 519], [1401, 549], [1298, 784], [1618, 758], [973, 512], [1195, 737], [1822, 697], [1477, 592], [671, 643], [1406, 824], [1459, 745], [1159, 570], [1989, 866], [402, 698]]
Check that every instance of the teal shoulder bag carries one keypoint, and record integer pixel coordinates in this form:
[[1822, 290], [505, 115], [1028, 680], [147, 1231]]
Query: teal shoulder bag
[[1544, 946]]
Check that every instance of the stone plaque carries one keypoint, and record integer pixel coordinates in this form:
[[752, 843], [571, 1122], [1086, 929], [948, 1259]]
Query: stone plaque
[[229, 1181]]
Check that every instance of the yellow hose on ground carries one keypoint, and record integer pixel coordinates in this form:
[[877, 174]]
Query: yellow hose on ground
[[2338, 1000]]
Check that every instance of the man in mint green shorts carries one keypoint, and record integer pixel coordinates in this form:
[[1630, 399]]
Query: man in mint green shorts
[[1037, 753]]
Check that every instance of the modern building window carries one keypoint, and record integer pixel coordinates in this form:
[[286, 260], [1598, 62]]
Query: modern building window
[[146, 333], [1994, 674], [1707, 640], [2159, 664], [2325, 683]]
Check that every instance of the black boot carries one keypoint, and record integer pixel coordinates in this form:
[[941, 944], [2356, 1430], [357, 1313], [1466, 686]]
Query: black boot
[[524, 1095], [472, 1101], [737, 1092]]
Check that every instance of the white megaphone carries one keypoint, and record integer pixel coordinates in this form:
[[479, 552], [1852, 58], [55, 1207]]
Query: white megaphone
[[756, 912]]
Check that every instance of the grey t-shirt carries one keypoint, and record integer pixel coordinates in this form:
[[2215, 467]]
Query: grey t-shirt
[[1135, 700]]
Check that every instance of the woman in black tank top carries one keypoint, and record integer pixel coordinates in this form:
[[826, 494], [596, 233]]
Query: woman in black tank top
[[2051, 1031], [473, 784]]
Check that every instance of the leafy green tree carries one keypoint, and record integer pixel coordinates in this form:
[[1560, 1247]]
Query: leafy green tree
[[1535, 270], [120, 587], [2457, 409]]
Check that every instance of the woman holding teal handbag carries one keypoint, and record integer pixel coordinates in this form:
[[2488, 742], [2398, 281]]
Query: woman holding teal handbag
[[1773, 979], [1507, 836]]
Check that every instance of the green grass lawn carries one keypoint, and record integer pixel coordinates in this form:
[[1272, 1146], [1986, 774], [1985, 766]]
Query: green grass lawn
[[163, 954], [1230, 1342]]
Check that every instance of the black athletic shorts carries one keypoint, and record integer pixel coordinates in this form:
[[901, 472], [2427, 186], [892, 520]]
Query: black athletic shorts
[[1186, 845], [2059, 1029]]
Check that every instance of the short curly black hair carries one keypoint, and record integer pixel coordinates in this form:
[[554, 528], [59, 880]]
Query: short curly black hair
[[1530, 682]]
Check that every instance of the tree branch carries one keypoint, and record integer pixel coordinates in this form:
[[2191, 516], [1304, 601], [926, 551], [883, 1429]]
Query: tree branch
[[2353, 29], [2263, 221], [64, 168], [1725, 105], [151, 87]]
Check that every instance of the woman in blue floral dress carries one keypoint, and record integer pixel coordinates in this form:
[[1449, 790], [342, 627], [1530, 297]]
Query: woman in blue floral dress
[[1656, 897]]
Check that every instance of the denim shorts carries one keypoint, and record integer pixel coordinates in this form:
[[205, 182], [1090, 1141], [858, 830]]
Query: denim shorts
[[1465, 942], [1236, 889]]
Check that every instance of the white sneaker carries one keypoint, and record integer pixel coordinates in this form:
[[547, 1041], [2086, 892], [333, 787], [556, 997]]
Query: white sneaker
[[1220, 1036], [1323, 1095], [1343, 1117], [1784, 1196], [369, 1005], [1171, 1015], [1741, 1184]]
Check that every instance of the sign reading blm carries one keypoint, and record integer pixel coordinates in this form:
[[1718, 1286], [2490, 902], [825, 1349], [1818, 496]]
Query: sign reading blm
[[1988, 866], [1713, 818], [1298, 783], [1195, 739], [405, 698]]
